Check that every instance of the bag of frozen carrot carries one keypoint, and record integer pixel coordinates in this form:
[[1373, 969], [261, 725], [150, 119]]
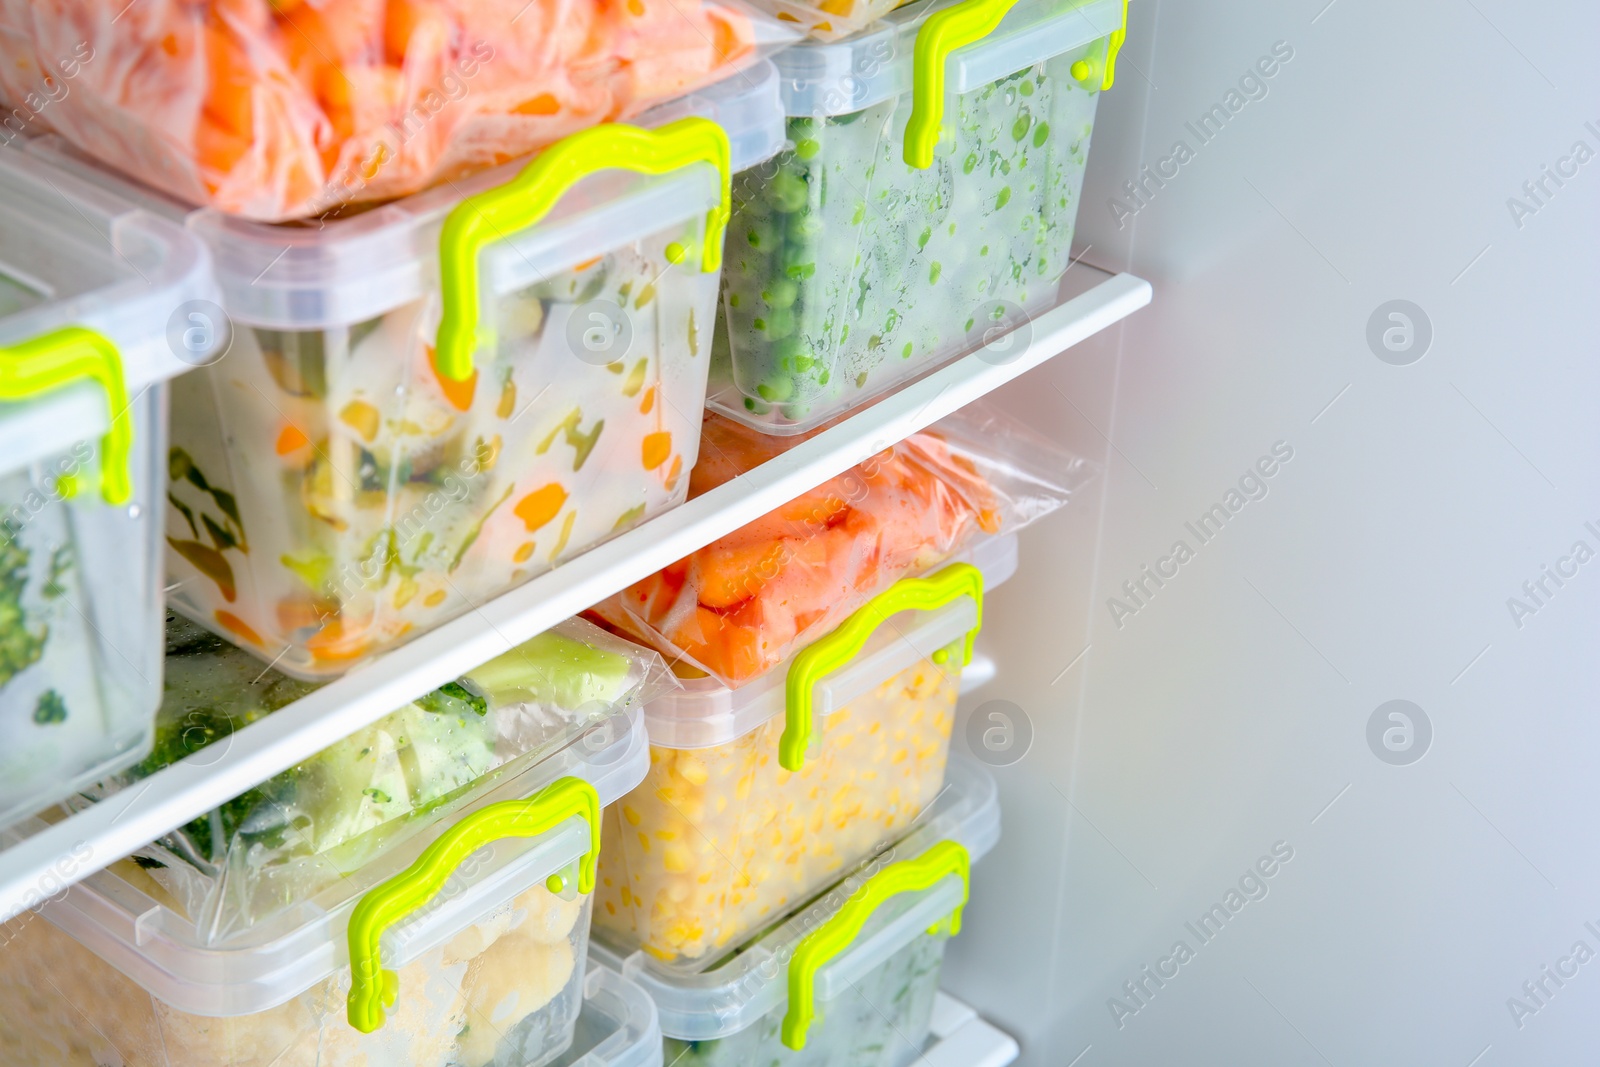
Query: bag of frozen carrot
[[284, 109], [744, 603]]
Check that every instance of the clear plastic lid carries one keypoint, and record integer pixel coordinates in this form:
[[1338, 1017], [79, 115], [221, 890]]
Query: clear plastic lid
[[73, 254], [877, 63], [704, 712], [335, 271], [157, 928], [717, 1003], [618, 1026]]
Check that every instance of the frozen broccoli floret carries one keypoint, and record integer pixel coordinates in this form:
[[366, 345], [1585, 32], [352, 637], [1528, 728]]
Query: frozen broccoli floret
[[20, 646]]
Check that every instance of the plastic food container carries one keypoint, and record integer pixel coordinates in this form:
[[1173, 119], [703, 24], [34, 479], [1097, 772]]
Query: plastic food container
[[426, 404], [279, 109], [926, 207], [746, 602], [618, 1026], [88, 287], [852, 978], [760, 796], [417, 894]]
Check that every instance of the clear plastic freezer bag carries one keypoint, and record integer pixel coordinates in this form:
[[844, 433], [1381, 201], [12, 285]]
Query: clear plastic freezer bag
[[746, 602], [284, 109], [292, 837], [850, 270]]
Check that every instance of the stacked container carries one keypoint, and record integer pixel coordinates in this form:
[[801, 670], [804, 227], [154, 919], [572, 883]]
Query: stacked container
[[418, 893], [925, 208], [761, 796], [427, 403], [94, 303], [849, 979], [618, 1027]]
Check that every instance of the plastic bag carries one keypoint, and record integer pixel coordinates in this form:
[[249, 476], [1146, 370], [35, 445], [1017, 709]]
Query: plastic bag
[[331, 815], [282, 109], [744, 603]]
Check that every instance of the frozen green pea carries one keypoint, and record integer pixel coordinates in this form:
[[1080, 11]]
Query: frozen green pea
[[1003, 198], [780, 292], [807, 148], [787, 191], [776, 324], [1041, 134], [775, 390], [1019, 129], [807, 226]]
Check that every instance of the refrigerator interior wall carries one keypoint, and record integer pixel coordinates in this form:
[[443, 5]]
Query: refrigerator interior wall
[[1230, 708]]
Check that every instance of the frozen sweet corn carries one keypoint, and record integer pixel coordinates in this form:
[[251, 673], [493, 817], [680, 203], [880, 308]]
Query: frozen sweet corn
[[718, 842]]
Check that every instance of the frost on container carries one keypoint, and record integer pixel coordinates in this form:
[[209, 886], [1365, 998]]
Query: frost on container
[[87, 283], [850, 270], [243, 913]]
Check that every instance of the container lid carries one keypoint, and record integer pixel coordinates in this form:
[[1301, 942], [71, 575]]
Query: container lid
[[76, 255], [725, 1000], [871, 66], [617, 1027], [704, 712], [337, 271], [135, 921]]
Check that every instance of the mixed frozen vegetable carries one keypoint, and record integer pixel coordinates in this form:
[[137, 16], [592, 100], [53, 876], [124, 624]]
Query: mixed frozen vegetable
[[743, 604], [849, 271], [280, 109], [333, 494], [303, 830], [719, 842]]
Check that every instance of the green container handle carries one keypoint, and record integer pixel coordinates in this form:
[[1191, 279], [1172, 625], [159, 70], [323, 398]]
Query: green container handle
[[373, 989], [835, 935], [492, 215], [66, 357], [828, 654], [956, 27]]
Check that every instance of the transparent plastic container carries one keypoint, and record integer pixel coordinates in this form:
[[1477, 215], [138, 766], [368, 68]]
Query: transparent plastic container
[[618, 1026], [386, 924], [758, 797], [426, 404], [923, 208], [864, 957], [88, 287]]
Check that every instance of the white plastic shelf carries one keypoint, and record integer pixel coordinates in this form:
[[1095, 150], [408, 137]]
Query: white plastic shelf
[[962, 1039], [33, 866]]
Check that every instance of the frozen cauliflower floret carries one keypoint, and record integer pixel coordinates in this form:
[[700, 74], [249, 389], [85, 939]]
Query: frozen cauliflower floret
[[513, 979], [543, 917]]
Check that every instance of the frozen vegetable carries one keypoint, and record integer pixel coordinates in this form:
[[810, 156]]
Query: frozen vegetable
[[744, 603], [718, 842], [849, 270], [503, 993], [880, 1021], [280, 109], [333, 493], [295, 834]]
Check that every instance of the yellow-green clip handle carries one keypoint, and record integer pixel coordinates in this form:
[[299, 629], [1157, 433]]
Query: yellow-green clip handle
[[1084, 69], [828, 654], [527, 198], [956, 27], [373, 989], [834, 936], [65, 357]]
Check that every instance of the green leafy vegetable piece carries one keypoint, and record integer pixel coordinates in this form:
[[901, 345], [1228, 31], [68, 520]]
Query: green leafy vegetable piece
[[51, 709]]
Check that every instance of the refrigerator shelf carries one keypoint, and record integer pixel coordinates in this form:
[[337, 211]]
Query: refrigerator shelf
[[37, 860]]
